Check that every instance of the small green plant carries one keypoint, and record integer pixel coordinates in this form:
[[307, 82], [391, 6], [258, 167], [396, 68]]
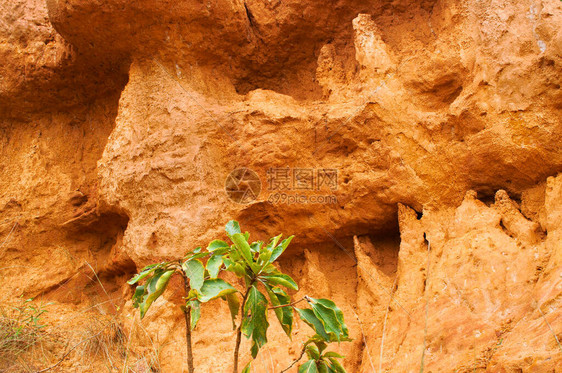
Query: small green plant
[[254, 263], [20, 327], [320, 361]]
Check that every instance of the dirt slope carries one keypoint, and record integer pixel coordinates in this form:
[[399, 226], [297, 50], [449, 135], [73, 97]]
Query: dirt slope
[[120, 122]]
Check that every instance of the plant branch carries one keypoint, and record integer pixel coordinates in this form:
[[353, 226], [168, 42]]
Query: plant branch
[[239, 329], [187, 316], [287, 305], [296, 360]]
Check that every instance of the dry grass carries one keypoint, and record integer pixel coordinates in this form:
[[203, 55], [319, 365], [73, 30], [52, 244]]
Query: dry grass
[[20, 328], [24, 345], [91, 339], [102, 344], [108, 348], [146, 360], [105, 342]]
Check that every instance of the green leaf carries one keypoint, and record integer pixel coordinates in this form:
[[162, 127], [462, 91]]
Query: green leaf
[[333, 354], [280, 279], [255, 323], [256, 246], [280, 249], [232, 227], [217, 244], [270, 268], [234, 306], [323, 368], [309, 367], [193, 294], [154, 288], [255, 267], [339, 314], [221, 251], [247, 367], [330, 316], [237, 268], [284, 298], [235, 254], [308, 316], [263, 258], [243, 247], [195, 312], [145, 272], [336, 366], [278, 297], [195, 271], [227, 262], [138, 295], [320, 344], [194, 255], [312, 352], [215, 288], [214, 265], [273, 242]]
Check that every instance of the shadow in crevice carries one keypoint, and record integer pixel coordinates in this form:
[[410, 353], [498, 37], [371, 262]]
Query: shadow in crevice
[[382, 251], [102, 267], [487, 195]]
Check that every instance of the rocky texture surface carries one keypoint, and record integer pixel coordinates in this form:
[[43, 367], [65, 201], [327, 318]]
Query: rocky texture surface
[[120, 122], [479, 273]]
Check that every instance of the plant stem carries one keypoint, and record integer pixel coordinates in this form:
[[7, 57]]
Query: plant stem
[[237, 349], [287, 305], [187, 315], [239, 329], [296, 360]]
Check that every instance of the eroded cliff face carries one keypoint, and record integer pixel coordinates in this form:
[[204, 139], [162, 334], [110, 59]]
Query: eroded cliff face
[[121, 121], [483, 274]]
